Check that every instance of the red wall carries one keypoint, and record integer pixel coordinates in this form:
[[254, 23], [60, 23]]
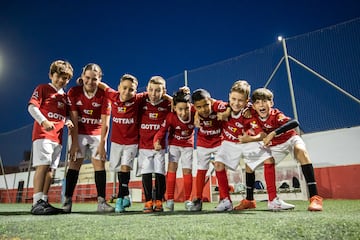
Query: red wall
[[339, 182]]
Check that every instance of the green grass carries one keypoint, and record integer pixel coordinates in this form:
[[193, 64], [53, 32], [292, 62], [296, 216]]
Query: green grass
[[339, 220]]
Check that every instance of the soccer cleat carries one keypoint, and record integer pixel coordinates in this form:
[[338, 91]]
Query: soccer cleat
[[148, 208], [188, 204], [170, 205], [119, 207], [277, 204], [126, 202], [158, 206], [245, 204], [44, 208], [103, 206], [66, 207], [196, 205], [224, 205], [316, 203]]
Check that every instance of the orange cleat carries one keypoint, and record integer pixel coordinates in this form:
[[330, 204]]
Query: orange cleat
[[148, 208], [316, 203], [158, 206], [245, 204]]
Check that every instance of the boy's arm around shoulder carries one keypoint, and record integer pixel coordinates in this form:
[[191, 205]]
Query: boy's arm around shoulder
[[291, 124]]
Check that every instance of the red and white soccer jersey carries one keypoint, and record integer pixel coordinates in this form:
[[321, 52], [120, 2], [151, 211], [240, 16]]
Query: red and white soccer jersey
[[89, 109], [237, 125], [125, 117], [275, 120], [209, 133], [152, 116], [181, 133], [52, 104]]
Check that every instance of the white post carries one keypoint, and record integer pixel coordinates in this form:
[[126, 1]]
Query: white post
[[292, 95], [3, 172], [186, 78]]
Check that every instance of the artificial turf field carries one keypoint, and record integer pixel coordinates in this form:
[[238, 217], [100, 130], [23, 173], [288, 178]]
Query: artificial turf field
[[339, 220]]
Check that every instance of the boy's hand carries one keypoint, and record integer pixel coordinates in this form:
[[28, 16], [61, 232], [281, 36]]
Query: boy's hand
[[69, 124], [101, 152], [245, 138], [197, 119], [157, 146], [246, 113], [185, 89], [223, 116], [48, 125], [268, 138], [74, 150]]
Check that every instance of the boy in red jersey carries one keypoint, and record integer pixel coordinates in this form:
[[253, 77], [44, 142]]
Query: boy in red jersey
[[125, 104], [153, 113], [241, 138], [208, 138], [180, 126], [48, 107], [90, 113], [282, 139]]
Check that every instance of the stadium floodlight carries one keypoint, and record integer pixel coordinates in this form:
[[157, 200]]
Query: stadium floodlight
[[280, 38]]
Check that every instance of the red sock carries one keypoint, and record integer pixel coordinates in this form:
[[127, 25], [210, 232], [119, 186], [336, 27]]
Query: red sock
[[200, 182], [269, 172], [223, 184], [187, 185], [170, 184]]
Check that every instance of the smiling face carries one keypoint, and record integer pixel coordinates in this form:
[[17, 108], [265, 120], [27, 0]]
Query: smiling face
[[182, 110], [91, 80], [127, 90], [237, 101]]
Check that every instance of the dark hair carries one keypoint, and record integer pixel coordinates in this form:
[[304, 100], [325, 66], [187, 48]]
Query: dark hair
[[262, 94], [181, 96], [200, 94]]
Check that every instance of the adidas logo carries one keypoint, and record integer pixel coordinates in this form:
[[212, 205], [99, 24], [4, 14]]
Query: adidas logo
[[79, 103]]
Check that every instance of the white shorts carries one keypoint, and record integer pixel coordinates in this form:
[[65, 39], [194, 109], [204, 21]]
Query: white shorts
[[122, 155], [151, 161], [46, 152], [88, 145], [204, 156], [253, 153], [279, 152], [183, 154]]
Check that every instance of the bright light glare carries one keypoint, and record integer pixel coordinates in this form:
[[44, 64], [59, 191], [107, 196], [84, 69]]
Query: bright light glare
[[280, 38]]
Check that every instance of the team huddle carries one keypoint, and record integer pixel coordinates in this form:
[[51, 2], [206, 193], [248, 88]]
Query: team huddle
[[148, 124]]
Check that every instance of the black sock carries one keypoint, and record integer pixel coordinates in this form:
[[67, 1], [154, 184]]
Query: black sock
[[124, 178], [308, 172], [71, 180], [250, 181], [147, 185], [100, 181], [160, 186]]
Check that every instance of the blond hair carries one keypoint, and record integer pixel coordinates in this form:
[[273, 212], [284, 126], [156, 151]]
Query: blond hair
[[158, 80], [61, 67], [241, 86]]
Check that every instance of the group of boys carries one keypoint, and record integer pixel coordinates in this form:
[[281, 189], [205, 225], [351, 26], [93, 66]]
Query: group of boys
[[141, 122]]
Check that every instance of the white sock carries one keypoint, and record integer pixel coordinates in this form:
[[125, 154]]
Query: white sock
[[45, 198], [37, 196]]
